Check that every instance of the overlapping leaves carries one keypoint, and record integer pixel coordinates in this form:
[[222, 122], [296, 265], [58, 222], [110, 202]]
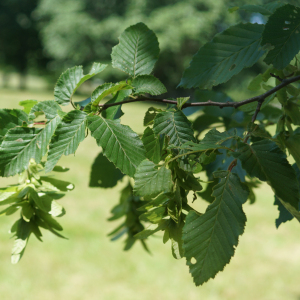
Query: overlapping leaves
[[71, 79], [264, 160], [20, 144], [67, 137], [282, 31]]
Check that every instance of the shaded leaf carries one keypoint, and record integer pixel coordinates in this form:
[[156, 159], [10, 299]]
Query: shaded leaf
[[266, 9], [283, 32], [104, 173], [225, 56], [264, 160], [11, 118], [153, 145], [115, 112]]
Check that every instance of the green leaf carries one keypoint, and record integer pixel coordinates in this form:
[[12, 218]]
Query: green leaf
[[47, 204], [264, 160], [212, 140], [226, 55], [181, 101], [104, 173], [56, 185], [153, 145], [266, 9], [27, 212], [175, 125], [106, 89], [209, 240], [28, 104], [67, 137], [137, 52], [22, 235], [50, 108], [282, 31], [22, 144], [284, 214], [150, 181], [175, 235], [204, 121], [152, 229], [71, 79], [148, 84], [150, 115], [293, 145], [292, 110], [11, 118], [255, 83], [154, 215], [115, 112], [120, 144]]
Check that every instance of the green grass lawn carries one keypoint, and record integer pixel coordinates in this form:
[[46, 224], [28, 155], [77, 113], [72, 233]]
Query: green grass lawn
[[89, 266]]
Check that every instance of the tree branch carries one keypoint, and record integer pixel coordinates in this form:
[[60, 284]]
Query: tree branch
[[259, 98]]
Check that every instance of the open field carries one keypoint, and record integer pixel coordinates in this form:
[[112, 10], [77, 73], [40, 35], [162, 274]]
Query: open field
[[89, 266]]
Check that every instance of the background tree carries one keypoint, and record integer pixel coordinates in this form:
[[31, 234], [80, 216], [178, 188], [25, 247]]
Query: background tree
[[20, 44]]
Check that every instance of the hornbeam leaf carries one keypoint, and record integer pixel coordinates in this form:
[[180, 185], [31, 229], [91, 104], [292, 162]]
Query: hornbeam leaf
[[175, 125], [212, 140], [20, 144], [115, 112], [181, 101], [283, 32], [50, 108], [266, 9], [71, 79], [28, 104], [148, 84], [153, 228], [229, 52], [293, 145], [153, 145], [67, 137], [106, 89], [22, 235], [284, 214], [209, 240], [137, 52], [150, 181], [10, 118], [104, 173], [264, 160], [120, 144]]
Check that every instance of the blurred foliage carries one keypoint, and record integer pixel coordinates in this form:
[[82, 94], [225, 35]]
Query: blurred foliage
[[81, 31], [20, 45]]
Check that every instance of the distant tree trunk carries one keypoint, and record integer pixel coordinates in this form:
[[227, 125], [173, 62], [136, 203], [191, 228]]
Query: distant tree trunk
[[22, 80], [5, 79]]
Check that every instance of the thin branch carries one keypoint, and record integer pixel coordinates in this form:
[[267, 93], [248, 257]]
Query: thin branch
[[261, 98]]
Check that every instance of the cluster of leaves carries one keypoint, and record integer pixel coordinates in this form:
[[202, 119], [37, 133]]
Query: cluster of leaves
[[166, 161], [35, 196]]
